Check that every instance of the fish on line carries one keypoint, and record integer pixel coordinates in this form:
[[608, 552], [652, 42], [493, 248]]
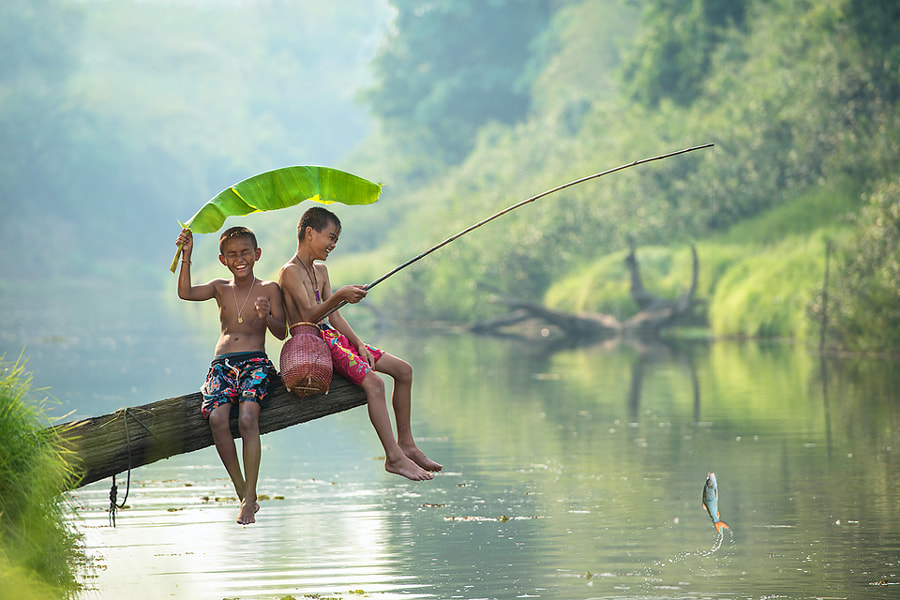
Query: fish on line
[[711, 501]]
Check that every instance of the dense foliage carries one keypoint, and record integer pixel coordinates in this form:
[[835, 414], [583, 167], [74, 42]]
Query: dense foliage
[[38, 549], [673, 52], [800, 99], [449, 67], [117, 119], [867, 297]]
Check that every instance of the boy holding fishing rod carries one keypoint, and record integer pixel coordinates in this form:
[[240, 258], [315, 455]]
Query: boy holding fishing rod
[[308, 299], [241, 373]]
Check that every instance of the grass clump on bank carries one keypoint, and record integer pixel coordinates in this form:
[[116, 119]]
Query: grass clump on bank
[[38, 550]]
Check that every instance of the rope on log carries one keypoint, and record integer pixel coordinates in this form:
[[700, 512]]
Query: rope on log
[[175, 426]]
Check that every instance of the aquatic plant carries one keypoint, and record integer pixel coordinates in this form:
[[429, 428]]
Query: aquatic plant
[[38, 549]]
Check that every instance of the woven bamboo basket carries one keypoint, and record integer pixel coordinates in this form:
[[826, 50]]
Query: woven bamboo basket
[[306, 361]]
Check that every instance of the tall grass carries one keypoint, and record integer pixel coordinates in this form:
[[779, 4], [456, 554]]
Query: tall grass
[[767, 293], [38, 550], [760, 279]]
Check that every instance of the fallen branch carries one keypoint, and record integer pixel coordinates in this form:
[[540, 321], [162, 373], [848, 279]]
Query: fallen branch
[[132, 437]]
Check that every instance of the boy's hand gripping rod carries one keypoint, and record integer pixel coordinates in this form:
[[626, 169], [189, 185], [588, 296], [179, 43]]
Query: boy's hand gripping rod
[[515, 206]]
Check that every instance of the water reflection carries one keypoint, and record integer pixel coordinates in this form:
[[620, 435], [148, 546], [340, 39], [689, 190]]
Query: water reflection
[[178, 538], [556, 487], [575, 474]]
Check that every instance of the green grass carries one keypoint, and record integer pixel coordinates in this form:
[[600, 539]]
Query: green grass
[[601, 286], [38, 550], [753, 290], [767, 294], [820, 207], [759, 279]]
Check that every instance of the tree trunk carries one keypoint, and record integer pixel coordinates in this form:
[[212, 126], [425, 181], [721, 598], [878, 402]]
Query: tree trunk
[[656, 313], [132, 437]]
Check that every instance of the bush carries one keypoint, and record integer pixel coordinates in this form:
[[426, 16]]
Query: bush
[[37, 548], [766, 294], [867, 282]]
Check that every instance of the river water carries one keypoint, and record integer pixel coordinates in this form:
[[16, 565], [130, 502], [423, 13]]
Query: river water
[[570, 473]]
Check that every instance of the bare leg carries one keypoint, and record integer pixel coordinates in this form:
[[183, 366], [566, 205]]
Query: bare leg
[[248, 424], [395, 460], [401, 399], [221, 432]]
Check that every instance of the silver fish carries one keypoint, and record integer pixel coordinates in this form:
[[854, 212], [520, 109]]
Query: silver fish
[[711, 501]]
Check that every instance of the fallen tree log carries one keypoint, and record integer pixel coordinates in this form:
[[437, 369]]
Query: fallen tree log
[[655, 314], [132, 437]]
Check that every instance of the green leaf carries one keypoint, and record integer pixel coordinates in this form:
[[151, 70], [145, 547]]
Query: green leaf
[[281, 188]]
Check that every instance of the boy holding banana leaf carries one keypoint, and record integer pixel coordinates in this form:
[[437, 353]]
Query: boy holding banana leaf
[[308, 299], [241, 373]]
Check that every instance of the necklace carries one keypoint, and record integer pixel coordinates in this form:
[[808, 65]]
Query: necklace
[[240, 319], [312, 278]]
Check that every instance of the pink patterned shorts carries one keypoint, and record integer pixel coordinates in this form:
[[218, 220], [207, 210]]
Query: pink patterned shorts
[[345, 359]]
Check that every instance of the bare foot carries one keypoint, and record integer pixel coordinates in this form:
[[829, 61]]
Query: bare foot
[[248, 513], [423, 461], [406, 467]]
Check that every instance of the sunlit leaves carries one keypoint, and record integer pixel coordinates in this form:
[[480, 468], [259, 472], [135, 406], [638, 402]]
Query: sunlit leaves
[[278, 189], [867, 285], [282, 188]]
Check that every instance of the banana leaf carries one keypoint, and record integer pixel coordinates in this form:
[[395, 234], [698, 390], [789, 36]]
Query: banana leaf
[[277, 189]]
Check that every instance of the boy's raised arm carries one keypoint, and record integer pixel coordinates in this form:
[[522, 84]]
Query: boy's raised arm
[[186, 291]]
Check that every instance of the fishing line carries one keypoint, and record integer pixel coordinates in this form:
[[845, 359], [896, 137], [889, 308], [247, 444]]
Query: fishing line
[[515, 206]]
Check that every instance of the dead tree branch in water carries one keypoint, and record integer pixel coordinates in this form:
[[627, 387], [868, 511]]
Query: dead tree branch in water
[[656, 313]]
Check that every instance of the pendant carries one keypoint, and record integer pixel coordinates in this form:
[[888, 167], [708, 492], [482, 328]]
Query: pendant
[[240, 319]]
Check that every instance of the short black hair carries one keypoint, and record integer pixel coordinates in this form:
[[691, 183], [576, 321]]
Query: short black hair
[[318, 218], [236, 232]]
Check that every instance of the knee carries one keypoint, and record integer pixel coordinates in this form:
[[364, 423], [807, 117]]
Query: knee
[[404, 372], [373, 386], [247, 422], [219, 421]]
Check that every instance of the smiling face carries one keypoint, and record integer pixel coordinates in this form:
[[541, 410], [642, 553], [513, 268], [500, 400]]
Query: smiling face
[[239, 254], [321, 243], [318, 232]]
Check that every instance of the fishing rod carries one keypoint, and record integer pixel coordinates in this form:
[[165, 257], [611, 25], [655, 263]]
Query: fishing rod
[[515, 206]]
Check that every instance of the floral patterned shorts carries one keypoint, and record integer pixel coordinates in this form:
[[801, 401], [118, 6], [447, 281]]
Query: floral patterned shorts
[[234, 378]]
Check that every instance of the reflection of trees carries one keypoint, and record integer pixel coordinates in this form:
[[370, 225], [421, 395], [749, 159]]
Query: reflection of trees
[[823, 373], [560, 331], [870, 428], [509, 413], [661, 353]]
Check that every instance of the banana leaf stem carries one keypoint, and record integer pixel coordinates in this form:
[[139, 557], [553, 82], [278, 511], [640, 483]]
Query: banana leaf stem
[[175, 260]]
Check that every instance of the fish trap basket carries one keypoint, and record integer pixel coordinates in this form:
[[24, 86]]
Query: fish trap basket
[[306, 361]]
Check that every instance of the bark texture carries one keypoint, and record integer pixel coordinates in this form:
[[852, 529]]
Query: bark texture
[[132, 437]]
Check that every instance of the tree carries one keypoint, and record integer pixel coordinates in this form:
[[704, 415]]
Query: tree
[[672, 56], [877, 23], [867, 294], [448, 67]]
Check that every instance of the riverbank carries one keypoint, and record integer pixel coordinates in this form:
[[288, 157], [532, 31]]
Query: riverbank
[[39, 551]]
